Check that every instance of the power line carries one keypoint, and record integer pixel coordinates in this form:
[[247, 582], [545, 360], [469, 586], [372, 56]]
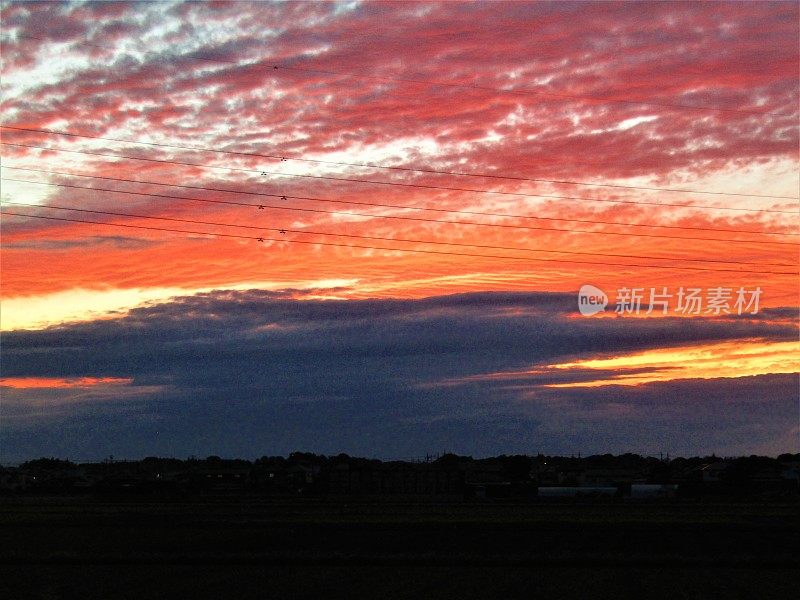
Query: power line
[[284, 230], [414, 250], [398, 184], [356, 214], [418, 208], [438, 83], [393, 168]]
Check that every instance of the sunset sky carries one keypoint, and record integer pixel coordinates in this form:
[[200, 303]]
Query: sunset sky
[[244, 228]]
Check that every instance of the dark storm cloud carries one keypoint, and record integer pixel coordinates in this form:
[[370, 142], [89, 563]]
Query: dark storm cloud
[[225, 332], [694, 416], [255, 371]]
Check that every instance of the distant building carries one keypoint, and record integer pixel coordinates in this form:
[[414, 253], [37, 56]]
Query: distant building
[[577, 492], [641, 491], [14, 480], [395, 479], [714, 472]]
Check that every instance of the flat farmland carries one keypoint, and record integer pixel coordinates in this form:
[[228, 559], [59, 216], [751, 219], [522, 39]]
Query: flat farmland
[[248, 547]]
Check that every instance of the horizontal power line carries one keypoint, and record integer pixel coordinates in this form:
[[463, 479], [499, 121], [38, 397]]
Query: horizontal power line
[[284, 230], [398, 184], [393, 168], [356, 214], [438, 83], [423, 208], [414, 250]]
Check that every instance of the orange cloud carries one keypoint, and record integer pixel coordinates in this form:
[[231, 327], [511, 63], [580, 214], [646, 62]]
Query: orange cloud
[[26, 383], [740, 358], [580, 123], [707, 361]]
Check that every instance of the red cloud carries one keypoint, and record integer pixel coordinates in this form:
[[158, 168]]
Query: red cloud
[[576, 76]]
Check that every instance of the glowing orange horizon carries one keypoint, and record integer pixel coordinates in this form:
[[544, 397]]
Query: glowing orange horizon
[[26, 383], [732, 359]]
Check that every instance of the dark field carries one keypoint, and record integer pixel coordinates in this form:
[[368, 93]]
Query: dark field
[[250, 548]]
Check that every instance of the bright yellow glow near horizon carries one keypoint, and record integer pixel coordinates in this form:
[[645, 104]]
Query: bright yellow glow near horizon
[[38, 312], [709, 361]]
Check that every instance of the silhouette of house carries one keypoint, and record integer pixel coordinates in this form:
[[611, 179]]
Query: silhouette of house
[[222, 477], [714, 472], [395, 479], [577, 492], [14, 480]]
